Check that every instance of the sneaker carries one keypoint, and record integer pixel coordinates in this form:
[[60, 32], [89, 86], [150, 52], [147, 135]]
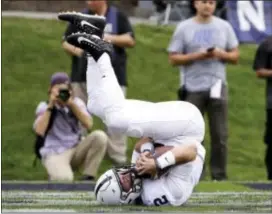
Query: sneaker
[[91, 44], [91, 24]]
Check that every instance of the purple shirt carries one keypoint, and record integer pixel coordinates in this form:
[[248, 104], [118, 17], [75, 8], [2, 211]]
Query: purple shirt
[[65, 131]]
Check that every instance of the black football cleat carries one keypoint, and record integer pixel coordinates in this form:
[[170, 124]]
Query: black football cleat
[[91, 24], [91, 44]]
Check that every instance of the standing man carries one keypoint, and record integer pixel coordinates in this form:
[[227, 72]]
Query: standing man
[[263, 68], [201, 46], [119, 32]]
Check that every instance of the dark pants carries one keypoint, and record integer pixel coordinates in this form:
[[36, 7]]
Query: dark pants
[[217, 110], [268, 142]]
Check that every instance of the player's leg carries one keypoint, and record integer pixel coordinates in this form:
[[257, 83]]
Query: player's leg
[[104, 92], [135, 118]]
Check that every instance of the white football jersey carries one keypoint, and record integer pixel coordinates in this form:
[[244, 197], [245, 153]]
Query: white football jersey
[[174, 188]]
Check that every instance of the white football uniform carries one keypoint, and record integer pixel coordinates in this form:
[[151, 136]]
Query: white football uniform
[[168, 123], [175, 187]]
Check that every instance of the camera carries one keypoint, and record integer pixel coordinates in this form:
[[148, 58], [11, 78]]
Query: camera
[[210, 49], [64, 94]]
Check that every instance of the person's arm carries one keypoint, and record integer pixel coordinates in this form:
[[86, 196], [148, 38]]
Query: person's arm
[[126, 36], [44, 112], [261, 61], [231, 56], [43, 116], [177, 59], [71, 49], [123, 40], [264, 73], [184, 153], [177, 155], [79, 110]]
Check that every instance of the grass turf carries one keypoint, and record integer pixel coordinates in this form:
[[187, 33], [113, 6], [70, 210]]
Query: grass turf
[[32, 52], [79, 201]]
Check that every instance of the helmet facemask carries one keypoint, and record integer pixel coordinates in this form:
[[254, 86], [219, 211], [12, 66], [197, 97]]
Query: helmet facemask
[[130, 184]]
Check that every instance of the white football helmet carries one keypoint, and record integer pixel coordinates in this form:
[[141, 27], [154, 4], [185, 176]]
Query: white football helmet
[[118, 186]]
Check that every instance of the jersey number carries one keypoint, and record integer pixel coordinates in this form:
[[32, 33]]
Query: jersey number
[[160, 201]]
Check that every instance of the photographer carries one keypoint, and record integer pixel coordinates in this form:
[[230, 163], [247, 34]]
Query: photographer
[[57, 126]]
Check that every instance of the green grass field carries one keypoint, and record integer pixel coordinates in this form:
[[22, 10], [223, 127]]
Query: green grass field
[[32, 52]]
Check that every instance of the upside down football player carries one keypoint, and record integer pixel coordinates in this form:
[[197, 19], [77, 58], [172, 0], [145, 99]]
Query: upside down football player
[[164, 175], [154, 180]]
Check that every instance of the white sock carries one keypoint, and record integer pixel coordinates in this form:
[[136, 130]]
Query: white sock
[[135, 156]]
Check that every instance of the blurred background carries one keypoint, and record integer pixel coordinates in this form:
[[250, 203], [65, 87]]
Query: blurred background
[[156, 9]]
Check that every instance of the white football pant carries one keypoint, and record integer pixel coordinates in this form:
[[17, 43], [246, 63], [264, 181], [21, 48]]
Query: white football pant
[[169, 123]]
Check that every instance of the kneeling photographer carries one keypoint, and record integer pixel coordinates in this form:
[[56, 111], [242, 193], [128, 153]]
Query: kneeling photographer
[[59, 144]]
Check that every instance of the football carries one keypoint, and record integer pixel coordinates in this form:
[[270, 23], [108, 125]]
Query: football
[[159, 150]]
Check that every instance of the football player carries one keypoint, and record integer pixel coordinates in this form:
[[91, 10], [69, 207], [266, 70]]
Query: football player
[[160, 175], [173, 123]]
